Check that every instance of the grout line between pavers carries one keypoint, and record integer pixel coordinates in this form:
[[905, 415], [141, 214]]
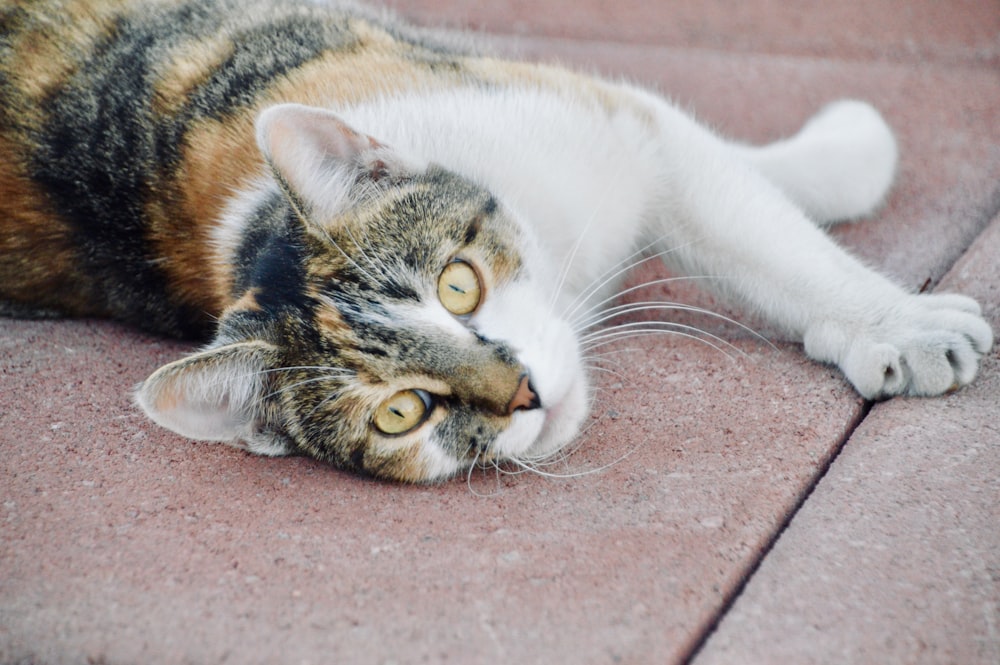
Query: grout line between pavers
[[988, 212], [993, 207], [755, 565]]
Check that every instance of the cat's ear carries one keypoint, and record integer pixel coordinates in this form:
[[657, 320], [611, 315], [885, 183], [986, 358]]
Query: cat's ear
[[213, 395], [323, 164]]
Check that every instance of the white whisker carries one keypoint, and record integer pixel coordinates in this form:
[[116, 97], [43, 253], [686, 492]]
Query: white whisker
[[598, 368], [468, 476], [631, 308], [627, 331], [326, 400], [534, 464], [378, 266], [299, 384], [348, 256], [627, 264], [317, 368], [601, 306], [528, 467]]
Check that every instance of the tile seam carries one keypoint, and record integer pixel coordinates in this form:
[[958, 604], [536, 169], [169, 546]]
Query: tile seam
[[727, 604], [990, 211]]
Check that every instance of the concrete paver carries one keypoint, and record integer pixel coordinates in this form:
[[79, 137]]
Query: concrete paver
[[963, 31], [123, 543], [126, 543], [894, 557]]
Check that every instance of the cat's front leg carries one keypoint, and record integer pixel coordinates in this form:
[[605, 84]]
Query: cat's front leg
[[722, 217]]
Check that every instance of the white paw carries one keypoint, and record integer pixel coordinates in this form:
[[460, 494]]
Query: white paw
[[922, 345]]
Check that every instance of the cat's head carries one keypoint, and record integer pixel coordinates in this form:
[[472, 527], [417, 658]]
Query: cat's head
[[404, 327]]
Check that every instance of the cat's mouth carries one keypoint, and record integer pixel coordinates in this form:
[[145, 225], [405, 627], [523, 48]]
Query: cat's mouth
[[535, 435]]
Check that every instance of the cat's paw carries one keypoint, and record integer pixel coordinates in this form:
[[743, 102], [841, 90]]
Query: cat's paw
[[922, 345]]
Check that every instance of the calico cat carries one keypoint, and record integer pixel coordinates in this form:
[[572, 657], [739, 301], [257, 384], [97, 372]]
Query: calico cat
[[394, 244]]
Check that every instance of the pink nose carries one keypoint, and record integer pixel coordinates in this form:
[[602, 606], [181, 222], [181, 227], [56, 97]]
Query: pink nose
[[525, 397]]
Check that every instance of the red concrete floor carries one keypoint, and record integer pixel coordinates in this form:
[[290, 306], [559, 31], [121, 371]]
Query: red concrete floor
[[718, 534]]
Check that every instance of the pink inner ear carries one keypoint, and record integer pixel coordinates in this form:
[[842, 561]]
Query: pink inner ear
[[318, 156], [342, 142], [295, 129]]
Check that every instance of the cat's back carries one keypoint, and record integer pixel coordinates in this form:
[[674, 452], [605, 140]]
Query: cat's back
[[126, 124]]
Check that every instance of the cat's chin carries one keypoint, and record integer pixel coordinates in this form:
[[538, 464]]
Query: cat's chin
[[562, 423]]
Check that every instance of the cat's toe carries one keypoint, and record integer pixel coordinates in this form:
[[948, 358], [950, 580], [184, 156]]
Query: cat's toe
[[930, 346], [939, 363], [875, 370]]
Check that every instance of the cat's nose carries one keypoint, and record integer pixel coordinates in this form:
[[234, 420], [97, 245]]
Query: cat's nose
[[525, 397]]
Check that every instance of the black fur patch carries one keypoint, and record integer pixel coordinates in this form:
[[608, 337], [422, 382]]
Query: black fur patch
[[270, 260]]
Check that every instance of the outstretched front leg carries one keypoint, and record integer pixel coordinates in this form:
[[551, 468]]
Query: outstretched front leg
[[728, 211]]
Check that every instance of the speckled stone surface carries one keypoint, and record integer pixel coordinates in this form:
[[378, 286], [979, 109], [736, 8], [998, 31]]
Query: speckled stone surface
[[122, 543], [896, 555]]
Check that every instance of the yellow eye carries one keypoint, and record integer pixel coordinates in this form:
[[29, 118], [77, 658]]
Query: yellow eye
[[403, 412], [459, 289]]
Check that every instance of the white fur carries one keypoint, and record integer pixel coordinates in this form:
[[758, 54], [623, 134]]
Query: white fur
[[592, 187], [562, 169], [521, 315], [838, 167], [227, 233], [436, 462]]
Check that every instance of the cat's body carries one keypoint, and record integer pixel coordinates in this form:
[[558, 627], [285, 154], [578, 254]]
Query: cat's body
[[397, 283]]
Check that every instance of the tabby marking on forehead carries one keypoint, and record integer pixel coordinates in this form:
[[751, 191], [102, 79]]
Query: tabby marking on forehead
[[329, 319]]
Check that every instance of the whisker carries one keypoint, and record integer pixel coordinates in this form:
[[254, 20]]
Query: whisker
[[598, 360], [326, 400], [377, 267], [612, 331], [318, 368], [615, 335], [331, 372], [534, 468], [298, 384], [598, 368], [600, 307], [627, 264], [563, 453], [468, 476], [631, 308], [348, 256]]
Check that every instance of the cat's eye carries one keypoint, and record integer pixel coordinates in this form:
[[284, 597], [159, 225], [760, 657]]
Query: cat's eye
[[459, 288], [403, 412]]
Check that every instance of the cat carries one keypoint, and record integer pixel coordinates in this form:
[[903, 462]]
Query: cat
[[392, 244]]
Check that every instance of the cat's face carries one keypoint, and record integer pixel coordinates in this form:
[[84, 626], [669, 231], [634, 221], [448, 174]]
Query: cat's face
[[405, 330]]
